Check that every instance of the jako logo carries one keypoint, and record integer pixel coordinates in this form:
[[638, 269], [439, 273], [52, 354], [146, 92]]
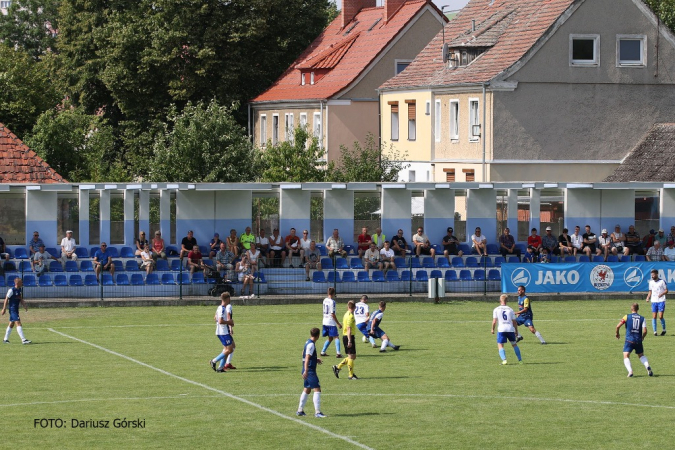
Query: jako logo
[[521, 277], [633, 277]]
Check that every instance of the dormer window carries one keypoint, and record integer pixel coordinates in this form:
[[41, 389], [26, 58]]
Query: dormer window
[[311, 78], [302, 79], [462, 57]]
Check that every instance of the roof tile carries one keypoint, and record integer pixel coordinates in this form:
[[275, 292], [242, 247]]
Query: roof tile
[[19, 164]]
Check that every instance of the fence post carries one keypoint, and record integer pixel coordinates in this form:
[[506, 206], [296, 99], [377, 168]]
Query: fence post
[[100, 283], [410, 283], [180, 281]]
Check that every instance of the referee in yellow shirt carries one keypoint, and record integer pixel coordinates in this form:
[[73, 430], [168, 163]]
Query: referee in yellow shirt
[[348, 329]]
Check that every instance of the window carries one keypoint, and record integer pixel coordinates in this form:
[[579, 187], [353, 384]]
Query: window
[[449, 175], [401, 64], [302, 79], [474, 122], [311, 78], [454, 119], [303, 120], [5, 4], [289, 128], [630, 50], [427, 110], [394, 120], [263, 130], [437, 121], [584, 50], [412, 116], [317, 127], [411, 176], [470, 175], [275, 129]]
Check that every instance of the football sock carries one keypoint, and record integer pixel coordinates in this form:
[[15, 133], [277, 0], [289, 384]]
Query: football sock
[[317, 401], [517, 350], [350, 364], [384, 344], [19, 330], [303, 399], [654, 325], [337, 346], [9, 330], [643, 360], [626, 362], [538, 334], [229, 358], [371, 340], [502, 354], [390, 344], [325, 346], [219, 358], [663, 324], [221, 364], [343, 363]]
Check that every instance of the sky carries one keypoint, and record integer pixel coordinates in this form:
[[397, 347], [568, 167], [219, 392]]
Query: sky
[[452, 4]]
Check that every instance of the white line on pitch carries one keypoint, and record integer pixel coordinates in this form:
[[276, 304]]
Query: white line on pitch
[[84, 400], [212, 389]]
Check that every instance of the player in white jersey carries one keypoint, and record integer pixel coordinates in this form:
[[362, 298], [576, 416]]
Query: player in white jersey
[[330, 324], [228, 314], [507, 329], [223, 324], [657, 294], [361, 316]]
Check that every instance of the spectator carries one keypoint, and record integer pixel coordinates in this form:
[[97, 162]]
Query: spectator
[[479, 242], [68, 247], [140, 242], [3, 250], [671, 235], [648, 240], [292, 243], [39, 260], [577, 241], [277, 252], [619, 242], [246, 240], [335, 245], [364, 241], [214, 245], [263, 245], [564, 243], [669, 251], [379, 238], [387, 257], [103, 261], [662, 238], [245, 275], [633, 244], [507, 244], [545, 255], [529, 256], [605, 244], [158, 249], [147, 262], [254, 258], [451, 245], [305, 243], [550, 243], [422, 244], [590, 242], [655, 252], [535, 241], [224, 259], [399, 245], [187, 245], [312, 258], [371, 258], [195, 261], [35, 243], [232, 242]]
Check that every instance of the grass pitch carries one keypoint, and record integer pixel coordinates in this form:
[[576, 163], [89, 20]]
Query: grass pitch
[[445, 388]]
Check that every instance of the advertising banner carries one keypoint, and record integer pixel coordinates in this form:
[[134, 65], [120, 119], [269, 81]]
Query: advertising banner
[[585, 277]]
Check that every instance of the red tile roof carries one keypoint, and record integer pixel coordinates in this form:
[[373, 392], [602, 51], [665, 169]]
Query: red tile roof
[[19, 164], [346, 52], [510, 28]]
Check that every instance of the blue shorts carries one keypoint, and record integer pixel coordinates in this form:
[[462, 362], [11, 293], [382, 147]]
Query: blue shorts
[[630, 346], [312, 381], [658, 307], [225, 339], [502, 337], [329, 330], [363, 328], [378, 332], [14, 315], [527, 321]]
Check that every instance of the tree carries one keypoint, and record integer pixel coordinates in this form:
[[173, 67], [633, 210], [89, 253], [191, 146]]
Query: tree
[[31, 25], [665, 9], [296, 161], [369, 163], [203, 143]]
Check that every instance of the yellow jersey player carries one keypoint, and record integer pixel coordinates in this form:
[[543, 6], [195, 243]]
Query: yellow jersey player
[[349, 341]]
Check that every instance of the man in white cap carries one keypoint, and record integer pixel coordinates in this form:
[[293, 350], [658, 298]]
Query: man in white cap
[[550, 242], [68, 247], [605, 243], [661, 237]]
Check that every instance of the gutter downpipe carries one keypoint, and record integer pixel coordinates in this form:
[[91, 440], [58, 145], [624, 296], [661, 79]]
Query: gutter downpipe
[[484, 132], [379, 124], [249, 122]]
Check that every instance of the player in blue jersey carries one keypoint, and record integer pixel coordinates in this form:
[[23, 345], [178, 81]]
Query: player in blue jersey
[[507, 329], [524, 315], [223, 324], [14, 298], [636, 330], [311, 379], [375, 331]]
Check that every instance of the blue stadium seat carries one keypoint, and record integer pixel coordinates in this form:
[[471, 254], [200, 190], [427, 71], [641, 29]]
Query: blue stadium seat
[[76, 280], [24, 266], [107, 279], [20, 253], [639, 258], [356, 263], [499, 260], [322, 249], [422, 275], [466, 248], [122, 279], [119, 266], [597, 258], [198, 278], [55, 266], [348, 277], [334, 277], [465, 275], [584, 258], [93, 251], [9, 252], [400, 262], [208, 262], [392, 275], [415, 263], [90, 280], [60, 280], [442, 263], [9, 266], [132, 266], [171, 250], [437, 248], [45, 281], [53, 251], [493, 249], [451, 275], [521, 246], [112, 251], [471, 262], [152, 279], [436, 274], [340, 263], [457, 261], [363, 277], [127, 252], [137, 279], [259, 277], [612, 258], [318, 277], [86, 266], [485, 261], [428, 263], [71, 266], [326, 263], [167, 278], [570, 259], [350, 250], [183, 278], [624, 258], [479, 275], [513, 259], [494, 275], [162, 265], [378, 276], [81, 252], [406, 275], [205, 250]]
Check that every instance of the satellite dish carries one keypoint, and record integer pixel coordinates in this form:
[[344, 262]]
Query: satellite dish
[[446, 53]]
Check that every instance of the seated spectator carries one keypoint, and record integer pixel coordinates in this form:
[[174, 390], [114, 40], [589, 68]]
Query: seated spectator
[[214, 245], [648, 240], [254, 257], [671, 235], [3, 250], [564, 243], [550, 243], [35, 243], [140, 242], [529, 256], [577, 241], [669, 251], [335, 245], [451, 245], [605, 244], [479, 242], [364, 241], [534, 241], [232, 242], [39, 260], [371, 258], [545, 256], [618, 242], [662, 238], [187, 245], [68, 247], [399, 245], [507, 244], [293, 249], [633, 244], [312, 259], [195, 260], [103, 261], [158, 249], [591, 246], [263, 244], [147, 262], [387, 256], [422, 244], [379, 238], [655, 253], [305, 243], [224, 259], [246, 240], [277, 254], [245, 276]]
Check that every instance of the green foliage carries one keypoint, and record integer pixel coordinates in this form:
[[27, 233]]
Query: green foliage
[[203, 143], [297, 161], [665, 9], [369, 163], [31, 25]]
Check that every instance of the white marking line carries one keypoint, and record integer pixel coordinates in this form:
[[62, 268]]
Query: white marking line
[[226, 394], [83, 400]]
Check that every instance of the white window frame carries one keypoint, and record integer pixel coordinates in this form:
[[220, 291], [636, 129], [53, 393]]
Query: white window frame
[[395, 125], [400, 61], [263, 130], [643, 50], [437, 121], [318, 127], [311, 78], [412, 176], [473, 118], [427, 108], [275, 129], [302, 79], [5, 4], [596, 50], [303, 120], [289, 127], [454, 119]]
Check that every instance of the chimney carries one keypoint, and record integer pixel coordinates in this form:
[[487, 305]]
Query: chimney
[[350, 8], [390, 8]]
